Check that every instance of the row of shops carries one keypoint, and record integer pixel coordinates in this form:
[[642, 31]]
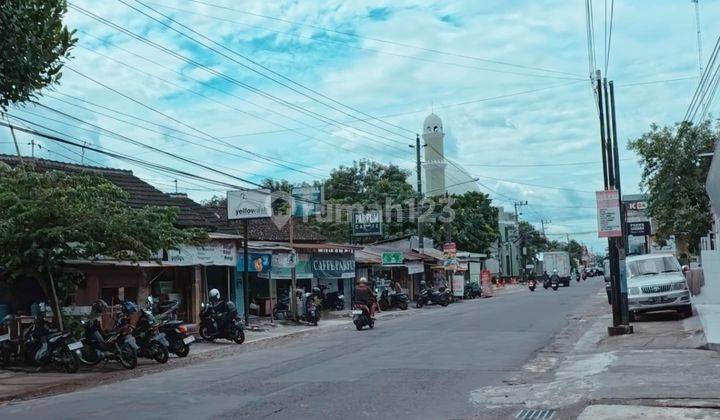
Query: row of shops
[[187, 274]]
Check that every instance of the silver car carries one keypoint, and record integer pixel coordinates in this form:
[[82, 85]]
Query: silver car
[[656, 283]]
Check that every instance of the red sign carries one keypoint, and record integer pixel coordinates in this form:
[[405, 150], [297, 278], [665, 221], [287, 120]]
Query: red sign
[[449, 248], [486, 283]]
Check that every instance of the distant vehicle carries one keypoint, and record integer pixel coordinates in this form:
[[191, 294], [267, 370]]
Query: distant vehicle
[[560, 261], [655, 283]]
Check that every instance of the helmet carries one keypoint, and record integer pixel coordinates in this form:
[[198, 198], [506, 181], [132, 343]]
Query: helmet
[[555, 271], [99, 306], [150, 300], [362, 280], [423, 283], [316, 290], [214, 295], [128, 307], [9, 319]]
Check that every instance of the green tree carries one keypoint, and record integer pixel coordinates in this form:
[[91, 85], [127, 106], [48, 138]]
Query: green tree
[[48, 218], [366, 184], [33, 44], [473, 226], [674, 177], [532, 239]]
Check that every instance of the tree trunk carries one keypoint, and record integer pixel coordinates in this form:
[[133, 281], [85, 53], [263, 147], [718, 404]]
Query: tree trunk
[[56, 303]]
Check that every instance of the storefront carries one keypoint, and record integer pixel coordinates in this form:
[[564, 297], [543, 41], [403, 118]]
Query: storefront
[[335, 271]]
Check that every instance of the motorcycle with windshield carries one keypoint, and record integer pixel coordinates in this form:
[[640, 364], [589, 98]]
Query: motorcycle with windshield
[[175, 331], [393, 299]]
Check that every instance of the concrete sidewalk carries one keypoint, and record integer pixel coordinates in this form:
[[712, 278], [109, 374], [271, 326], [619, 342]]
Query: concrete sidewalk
[[661, 371]]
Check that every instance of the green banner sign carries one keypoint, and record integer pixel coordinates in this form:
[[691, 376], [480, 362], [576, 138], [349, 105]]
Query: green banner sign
[[392, 258]]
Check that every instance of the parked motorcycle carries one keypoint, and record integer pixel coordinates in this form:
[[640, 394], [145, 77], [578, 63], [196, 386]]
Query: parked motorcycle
[[532, 284], [282, 309], [214, 325], [175, 331], [361, 316], [43, 346], [332, 300], [308, 308], [393, 300], [11, 349], [115, 345], [152, 343], [431, 296], [472, 290]]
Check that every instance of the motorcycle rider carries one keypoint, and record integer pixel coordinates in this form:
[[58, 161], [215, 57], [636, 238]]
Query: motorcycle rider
[[555, 276], [364, 295], [223, 313]]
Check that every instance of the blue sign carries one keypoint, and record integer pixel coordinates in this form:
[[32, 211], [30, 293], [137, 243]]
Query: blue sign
[[258, 262], [308, 201]]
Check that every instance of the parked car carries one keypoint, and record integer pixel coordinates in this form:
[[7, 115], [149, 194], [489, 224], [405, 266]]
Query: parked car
[[656, 283]]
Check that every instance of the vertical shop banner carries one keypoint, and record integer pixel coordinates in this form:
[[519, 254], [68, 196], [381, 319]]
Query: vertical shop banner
[[486, 283], [307, 201], [608, 213], [458, 285], [333, 265]]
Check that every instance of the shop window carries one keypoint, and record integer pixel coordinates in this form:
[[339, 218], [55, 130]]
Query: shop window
[[113, 295]]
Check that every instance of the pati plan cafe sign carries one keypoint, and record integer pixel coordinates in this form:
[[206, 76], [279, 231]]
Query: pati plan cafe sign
[[333, 266], [608, 213], [638, 228], [367, 223]]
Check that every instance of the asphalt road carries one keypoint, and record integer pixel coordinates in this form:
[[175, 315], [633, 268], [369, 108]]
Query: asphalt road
[[410, 367]]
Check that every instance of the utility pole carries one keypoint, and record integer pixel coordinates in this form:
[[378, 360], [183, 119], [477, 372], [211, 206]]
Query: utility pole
[[176, 188], [611, 181], [699, 36], [517, 204], [542, 224], [418, 169]]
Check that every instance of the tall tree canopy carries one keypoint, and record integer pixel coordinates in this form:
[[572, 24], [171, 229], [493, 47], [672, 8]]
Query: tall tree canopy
[[47, 218], [674, 177], [473, 226], [33, 44]]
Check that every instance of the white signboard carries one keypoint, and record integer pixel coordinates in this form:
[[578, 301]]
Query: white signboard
[[284, 259], [249, 204], [458, 285], [212, 253], [415, 267], [608, 213]]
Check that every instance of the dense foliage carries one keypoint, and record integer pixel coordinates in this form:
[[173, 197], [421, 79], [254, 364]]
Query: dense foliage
[[33, 44]]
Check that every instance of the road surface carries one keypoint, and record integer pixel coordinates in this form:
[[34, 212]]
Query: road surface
[[417, 366]]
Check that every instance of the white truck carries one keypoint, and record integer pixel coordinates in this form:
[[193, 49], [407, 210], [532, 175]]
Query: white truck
[[557, 260]]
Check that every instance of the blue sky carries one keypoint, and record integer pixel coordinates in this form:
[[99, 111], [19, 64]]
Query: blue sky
[[378, 60]]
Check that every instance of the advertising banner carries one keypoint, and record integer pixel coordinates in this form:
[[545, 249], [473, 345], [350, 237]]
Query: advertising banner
[[333, 265], [211, 253], [307, 200], [638, 228], [367, 223], [257, 262], [248, 204], [608, 213], [458, 285]]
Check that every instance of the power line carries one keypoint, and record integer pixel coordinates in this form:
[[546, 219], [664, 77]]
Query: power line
[[353, 46], [531, 165], [400, 44], [281, 76], [362, 133], [609, 36]]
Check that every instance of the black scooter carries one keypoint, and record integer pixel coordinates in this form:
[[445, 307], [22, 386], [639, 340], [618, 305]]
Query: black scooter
[[282, 309], [332, 300], [152, 343], [212, 327], [98, 345], [43, 346], [431, 296], [175, 331], [389, 300], [361, 316]]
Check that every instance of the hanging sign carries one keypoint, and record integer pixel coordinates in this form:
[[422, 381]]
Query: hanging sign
[[248, 204], [608, 213], [392, 258], [415, 267], [307, 200], [211, 253], [638, 228], [257, 262], [333, 265], [367, 223]]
